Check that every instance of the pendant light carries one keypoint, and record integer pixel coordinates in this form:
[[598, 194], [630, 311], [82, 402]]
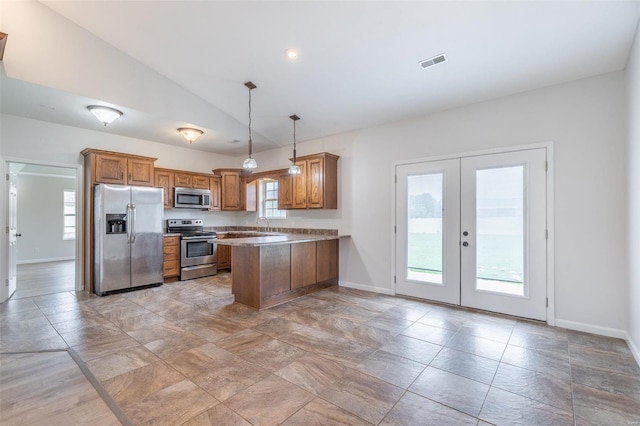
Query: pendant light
[[249, 163], [294, 169]]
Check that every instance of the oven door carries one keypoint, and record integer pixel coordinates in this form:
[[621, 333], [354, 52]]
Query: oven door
[[198, 251]]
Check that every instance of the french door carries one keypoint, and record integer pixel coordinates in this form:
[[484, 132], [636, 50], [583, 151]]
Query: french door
[[471, 231]]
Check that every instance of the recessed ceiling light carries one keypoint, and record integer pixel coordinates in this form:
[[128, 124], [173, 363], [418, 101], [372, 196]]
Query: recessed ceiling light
[[291, 54]]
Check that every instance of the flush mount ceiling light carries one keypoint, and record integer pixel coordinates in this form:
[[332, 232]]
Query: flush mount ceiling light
[[106, 115], [291, 54], [190, 134], [426, 63], [294, 169], [249, 163]]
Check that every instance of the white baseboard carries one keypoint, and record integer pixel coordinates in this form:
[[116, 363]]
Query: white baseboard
[[364, 287], [51, 259], [634, 348], [590, 328]]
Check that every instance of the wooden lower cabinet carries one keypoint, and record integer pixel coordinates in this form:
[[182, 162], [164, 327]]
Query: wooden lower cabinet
[[267, 275], [303, 264], [327, 258], [224, 257], [171, 263]]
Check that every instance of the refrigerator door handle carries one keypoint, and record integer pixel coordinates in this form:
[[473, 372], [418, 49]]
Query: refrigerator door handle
[[129, 215], [133, 223]]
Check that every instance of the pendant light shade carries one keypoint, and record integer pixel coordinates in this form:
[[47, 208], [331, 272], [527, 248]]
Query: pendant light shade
[[106, 115], [190, 134], [249, 163], [294, 169]]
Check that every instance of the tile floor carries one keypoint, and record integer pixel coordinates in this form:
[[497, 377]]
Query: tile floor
[[185, 354]]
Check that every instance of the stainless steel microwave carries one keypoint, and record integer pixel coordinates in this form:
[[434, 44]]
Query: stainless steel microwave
[[191, 198]]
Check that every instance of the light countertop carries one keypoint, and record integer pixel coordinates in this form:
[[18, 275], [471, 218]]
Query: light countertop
[[276, 239]]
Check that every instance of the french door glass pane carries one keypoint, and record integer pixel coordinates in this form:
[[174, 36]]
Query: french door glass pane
[[500, 230], [424, 234]]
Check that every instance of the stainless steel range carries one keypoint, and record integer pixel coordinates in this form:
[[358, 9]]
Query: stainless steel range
[[198, 248]]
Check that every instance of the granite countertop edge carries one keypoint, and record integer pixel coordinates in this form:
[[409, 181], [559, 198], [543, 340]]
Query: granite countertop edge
[[277, 240]]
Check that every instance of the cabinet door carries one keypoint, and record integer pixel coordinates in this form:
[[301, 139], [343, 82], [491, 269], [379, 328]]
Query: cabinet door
[[315, 183], [140, 172], [251, 197], [231, 191], [214, 186], [224, 257], [183, 180], [285, 192], [327, 260], [111, 169], [200, 182], [300, 183], [303, 264], [164, 180]]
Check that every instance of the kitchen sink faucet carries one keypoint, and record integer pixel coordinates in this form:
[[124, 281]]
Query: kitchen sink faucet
[[268, 228]]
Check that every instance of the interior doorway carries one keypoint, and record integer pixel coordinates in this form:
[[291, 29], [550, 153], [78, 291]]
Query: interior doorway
[[43, 218], [472, 231]]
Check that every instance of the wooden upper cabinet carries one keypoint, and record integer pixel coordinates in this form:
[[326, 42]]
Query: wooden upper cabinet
[[300, 187], [315, 183], [200, 182], [316, 187], [285, 192], [214, 186], [230, 189], [110, 169], [140, 172], [183, 180], [120, 169], [164, 180]]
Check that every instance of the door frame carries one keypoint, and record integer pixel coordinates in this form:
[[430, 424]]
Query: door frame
[[550, 255], [79, 284]]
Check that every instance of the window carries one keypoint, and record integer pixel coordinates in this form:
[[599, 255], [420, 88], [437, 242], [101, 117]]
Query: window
[[269, 200], [69, 212]]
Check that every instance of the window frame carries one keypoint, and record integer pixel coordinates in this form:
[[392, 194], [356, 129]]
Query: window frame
[[66, 234], [263, 190]]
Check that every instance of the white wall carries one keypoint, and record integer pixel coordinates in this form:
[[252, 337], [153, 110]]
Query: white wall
[[633, 79], [585, 119], [40, 211]]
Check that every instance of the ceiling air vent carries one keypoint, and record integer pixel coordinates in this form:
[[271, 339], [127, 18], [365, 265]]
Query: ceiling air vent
[[433, 61]]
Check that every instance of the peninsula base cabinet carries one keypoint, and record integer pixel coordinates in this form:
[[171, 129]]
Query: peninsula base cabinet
[[267, 275]]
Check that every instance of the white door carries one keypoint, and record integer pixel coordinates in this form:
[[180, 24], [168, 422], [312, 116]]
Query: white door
[[12, 221], [487, 249], [503, 211], [428, 230]]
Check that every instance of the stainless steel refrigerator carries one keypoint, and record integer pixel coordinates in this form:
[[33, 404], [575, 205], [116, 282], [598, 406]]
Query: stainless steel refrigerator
[[128, 237]]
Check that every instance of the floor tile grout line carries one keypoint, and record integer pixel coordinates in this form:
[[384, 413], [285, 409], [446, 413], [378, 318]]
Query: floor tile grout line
[[573, 404], [113, 406]]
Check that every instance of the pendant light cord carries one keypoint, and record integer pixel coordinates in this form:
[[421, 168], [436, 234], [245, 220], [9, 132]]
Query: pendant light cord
[[294, 141], [250, 141]]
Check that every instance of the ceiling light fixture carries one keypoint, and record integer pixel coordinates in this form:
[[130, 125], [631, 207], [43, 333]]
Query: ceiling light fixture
[[249, 163], [294, 169], [106, 115], [291, 54], [190, 134]]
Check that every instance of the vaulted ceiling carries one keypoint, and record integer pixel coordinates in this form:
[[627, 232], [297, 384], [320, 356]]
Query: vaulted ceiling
[[358, 63]]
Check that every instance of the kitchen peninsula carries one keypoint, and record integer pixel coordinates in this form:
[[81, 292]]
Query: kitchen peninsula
[[271, 269]]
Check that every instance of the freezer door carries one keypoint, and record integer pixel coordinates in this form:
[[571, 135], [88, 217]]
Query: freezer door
[[112, 250], [147, 236]]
